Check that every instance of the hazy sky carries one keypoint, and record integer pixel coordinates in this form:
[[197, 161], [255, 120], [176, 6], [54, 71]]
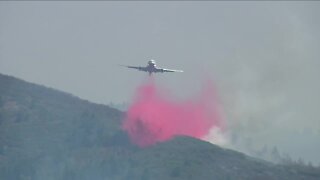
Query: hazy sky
[[263, 57]]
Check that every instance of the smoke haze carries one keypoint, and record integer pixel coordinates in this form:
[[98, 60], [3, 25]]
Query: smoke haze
[[264, 57]]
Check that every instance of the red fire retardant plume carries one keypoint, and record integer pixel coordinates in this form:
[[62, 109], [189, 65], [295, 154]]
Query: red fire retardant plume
[[153, 117]]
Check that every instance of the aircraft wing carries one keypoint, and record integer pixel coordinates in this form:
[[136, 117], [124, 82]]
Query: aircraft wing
[[168, 70], [136, 67]]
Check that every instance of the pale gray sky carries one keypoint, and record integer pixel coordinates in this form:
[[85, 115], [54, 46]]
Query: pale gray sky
[[263, 56]]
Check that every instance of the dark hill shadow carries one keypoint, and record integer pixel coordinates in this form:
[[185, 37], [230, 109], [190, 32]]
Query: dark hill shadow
[[49, 134]]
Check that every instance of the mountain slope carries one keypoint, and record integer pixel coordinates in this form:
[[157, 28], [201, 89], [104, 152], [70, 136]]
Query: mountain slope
[[48, 134], [38, 123]]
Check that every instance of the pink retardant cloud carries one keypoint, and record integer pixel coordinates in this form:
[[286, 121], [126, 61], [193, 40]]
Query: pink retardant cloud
[[153, 117]]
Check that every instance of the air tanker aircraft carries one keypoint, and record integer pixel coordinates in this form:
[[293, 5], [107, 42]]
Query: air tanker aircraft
[[152, 68]]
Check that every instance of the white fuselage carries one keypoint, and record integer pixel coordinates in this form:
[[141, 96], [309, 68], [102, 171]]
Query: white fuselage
[[151, 66]]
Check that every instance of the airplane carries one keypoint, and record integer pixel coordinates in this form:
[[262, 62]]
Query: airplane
[[152, 68]]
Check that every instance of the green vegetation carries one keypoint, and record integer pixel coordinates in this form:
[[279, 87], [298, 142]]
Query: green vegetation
[[47, 134]]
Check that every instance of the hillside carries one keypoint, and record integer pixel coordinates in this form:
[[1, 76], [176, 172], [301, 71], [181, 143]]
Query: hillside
[[48, 134]]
